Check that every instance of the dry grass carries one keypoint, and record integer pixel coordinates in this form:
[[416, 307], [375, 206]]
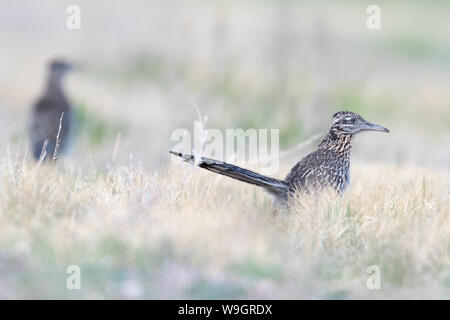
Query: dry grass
[[184, 233]]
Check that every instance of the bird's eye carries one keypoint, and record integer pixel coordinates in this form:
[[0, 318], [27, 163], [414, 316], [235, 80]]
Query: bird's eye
[[353, 120]]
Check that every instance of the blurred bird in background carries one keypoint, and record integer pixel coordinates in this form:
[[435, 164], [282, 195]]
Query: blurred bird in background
[[51, 116]]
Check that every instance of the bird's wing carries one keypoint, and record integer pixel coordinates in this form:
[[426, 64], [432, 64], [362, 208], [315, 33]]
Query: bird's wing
[[317, 170], [308, 172]]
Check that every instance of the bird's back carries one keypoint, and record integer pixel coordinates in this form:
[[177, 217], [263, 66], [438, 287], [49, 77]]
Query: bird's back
[[319, 169]]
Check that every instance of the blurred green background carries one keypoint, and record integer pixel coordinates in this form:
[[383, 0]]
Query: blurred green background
[[247, 64]]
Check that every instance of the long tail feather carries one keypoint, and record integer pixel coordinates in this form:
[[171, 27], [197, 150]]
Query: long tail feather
[[278, 188]]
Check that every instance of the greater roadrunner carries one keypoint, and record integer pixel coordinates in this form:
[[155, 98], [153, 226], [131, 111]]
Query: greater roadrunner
[[328, 165], [50, 111]]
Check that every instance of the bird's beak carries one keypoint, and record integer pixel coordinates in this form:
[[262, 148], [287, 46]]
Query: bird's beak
[[374, 127]]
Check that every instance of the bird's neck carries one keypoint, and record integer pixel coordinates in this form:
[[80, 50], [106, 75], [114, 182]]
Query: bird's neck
[[54, 85], [338, 143]]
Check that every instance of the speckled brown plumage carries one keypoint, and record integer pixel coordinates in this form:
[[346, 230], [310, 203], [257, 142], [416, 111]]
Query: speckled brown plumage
[[46, 114], [327, 166]]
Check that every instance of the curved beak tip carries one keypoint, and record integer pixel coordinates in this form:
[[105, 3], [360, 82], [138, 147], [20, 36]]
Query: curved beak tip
[[382, 129]]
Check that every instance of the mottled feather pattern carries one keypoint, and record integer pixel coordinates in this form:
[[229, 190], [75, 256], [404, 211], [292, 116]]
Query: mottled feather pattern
[[327, 166]]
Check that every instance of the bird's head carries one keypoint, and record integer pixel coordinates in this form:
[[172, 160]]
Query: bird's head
[[350, 123], [58, 68]]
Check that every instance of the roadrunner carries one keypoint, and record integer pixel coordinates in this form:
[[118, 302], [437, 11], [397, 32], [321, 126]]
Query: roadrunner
[[50, 111], [327, 166]]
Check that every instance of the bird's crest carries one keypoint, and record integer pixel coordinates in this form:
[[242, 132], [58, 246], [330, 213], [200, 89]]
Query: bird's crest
[[341, 114]]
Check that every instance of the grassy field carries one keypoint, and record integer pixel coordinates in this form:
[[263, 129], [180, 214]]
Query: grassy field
[[139, 226], [182, 233]]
